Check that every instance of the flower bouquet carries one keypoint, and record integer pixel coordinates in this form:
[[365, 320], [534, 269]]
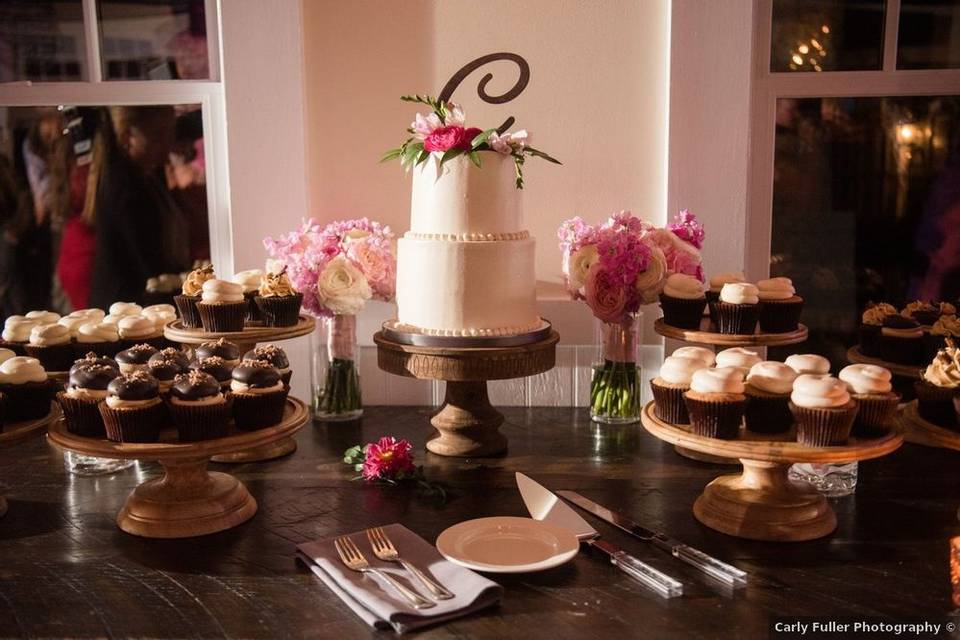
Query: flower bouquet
[[617, 267], [337, 268]]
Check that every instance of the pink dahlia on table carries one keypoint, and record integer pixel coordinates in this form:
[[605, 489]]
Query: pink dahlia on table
[[387, 459]]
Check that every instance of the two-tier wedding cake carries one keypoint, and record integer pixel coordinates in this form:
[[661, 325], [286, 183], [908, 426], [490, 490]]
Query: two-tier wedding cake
[[466, 267]]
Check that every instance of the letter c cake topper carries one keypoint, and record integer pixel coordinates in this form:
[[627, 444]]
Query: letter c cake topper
[[509, 95]]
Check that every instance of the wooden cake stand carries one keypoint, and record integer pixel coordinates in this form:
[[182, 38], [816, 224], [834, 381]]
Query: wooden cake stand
[[902, 370], [246, 340], [16, 432], [920, 431], [188, 500], [467, 424], [704, 335], [762, 503]]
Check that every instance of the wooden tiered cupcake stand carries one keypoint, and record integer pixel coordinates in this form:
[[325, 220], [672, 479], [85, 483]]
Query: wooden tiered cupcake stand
[[920, 431], [762, 503], [16, 432], [467, 424], [705, 336], [901, 370], [246, 340], [188, 500]]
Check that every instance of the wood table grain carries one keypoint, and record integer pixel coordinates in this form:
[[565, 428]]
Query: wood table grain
[[67, 570]]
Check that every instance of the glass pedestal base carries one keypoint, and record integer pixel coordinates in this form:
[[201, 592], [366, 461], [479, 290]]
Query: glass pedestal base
[[832, 480], [81, 465]]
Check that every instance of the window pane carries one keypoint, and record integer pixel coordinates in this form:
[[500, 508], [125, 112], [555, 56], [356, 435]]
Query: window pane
[[153, 39], [866, 206], [42, 40], [101, 212], [826, 35], [929, 34]]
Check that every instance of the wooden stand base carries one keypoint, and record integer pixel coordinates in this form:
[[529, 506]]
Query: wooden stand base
[[188, 501], [704, 457], [467, 423], [763, 504], [271, 451]]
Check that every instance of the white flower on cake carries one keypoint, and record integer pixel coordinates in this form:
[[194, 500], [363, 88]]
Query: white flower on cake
[[580, 263], [509, 142], [342, 287]]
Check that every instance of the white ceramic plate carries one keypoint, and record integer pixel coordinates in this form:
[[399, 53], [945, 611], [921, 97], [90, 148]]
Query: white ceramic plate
[[507, 545]]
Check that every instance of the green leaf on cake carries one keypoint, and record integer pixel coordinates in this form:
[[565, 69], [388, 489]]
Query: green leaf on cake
[[410, 153], [481, 138], [450, 154], [422, 157], [541, 154], [391, 155], [475, 158], [518, 167]]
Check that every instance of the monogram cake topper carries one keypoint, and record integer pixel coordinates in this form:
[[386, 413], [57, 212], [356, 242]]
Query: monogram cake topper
[[507, 96]]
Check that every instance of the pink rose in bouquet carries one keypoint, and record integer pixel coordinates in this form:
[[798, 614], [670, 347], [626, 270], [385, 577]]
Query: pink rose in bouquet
[[605, 294]]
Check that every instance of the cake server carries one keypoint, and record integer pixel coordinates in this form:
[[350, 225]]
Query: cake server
[[546, 506], [728, 574]]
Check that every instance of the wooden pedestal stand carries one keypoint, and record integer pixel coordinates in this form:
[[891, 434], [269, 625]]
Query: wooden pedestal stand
[[16, 432], [920, 431], [902, 370], [762, 503], [704, 335], [467, 424], [188, 500], [246, 340]]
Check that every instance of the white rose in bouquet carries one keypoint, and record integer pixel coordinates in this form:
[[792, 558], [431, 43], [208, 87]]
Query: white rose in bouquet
[[579, 264], [342, 287], [650, 282]]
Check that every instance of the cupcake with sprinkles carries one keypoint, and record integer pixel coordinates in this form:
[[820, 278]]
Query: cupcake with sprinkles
[[258, 393], [80, 401], [133, 410], [275, 356], [198, 406], [216, 367]]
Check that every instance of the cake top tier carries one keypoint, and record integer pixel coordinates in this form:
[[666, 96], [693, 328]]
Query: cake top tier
[[461, 198]]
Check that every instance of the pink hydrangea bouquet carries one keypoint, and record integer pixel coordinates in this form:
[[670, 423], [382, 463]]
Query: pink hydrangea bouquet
[[337, 268], [616, 267], [444, 132]]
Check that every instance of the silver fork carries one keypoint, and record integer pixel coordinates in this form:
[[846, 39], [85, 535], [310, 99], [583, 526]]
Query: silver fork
[[354, 560], [384, 549]]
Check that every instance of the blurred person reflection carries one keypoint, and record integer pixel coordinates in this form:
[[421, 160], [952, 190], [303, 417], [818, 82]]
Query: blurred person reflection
[[19, 290], [140, 232]]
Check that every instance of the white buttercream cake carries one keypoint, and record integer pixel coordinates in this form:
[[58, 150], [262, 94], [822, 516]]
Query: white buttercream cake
[[466, 267]]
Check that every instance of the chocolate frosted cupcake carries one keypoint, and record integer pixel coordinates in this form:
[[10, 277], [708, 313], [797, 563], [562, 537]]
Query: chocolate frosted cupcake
[[250, 281], [133, 411], [901, 340], [222, 306], [139, 330], [221, 348], [780, 306], [716, 284], [768, 389], [164, 371], [187, 300], [808, 363], [716, 403], [86, 389], [275, 356], [16, 334], [871, 322], [259, 395], [52, 345], [135, 358], [279, 302], [669, 387], [216, 367], [682, 301], [871, 386], [738, 309], [737, 358], [924, 313], [99, 337], [823, 410], [179, 357], [24, 382], [91, 358], [198, 407], [946, 327], [938, 386]]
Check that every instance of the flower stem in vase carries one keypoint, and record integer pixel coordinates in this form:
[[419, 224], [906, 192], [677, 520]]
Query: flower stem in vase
[[615, 388], [338, 397]]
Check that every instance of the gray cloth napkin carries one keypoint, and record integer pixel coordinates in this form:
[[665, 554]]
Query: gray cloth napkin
[[377, 603]]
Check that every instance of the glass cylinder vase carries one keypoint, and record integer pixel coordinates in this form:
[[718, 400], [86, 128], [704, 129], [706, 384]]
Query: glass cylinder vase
[[615, 388], [335, 369]]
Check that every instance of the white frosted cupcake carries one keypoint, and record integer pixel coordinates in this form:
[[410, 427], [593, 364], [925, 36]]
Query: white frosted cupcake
[[823, 410], [808, 363], [101, 338], [669, 387], [137, 329], [250, 281], [768, 389], [52, 345], [780, 306], [16, 333], [872, 387], [683, 301], [222, 306], [738, 358], [706, 356], [716, 283], [716, 402], [738, 308]]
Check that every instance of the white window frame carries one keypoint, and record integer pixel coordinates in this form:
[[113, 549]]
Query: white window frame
[[769, 86], [209, 94]]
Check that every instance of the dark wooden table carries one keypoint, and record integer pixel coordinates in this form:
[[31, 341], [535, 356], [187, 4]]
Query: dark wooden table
[[66, 570]]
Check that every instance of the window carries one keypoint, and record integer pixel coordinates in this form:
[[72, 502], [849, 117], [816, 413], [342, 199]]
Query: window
[[855, 171]]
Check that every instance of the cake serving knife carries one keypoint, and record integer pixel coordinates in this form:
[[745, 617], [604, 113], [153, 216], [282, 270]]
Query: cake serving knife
[[725, 573]]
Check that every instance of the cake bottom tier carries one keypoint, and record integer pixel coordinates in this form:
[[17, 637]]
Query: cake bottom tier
[[451, 287]]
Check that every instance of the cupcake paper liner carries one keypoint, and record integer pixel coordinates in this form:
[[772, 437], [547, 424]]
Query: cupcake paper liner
[[824, 426], [57, 357], [139, 424], [187, 307], [280, 312], [768, 413], [200, 422], [252, 411], [220, 318], [681, 312], [875, 413], [83, 416], [901, 350], [780, 316], [669, 404], [16, 347], [3, 410], [253, 311], [715, 419], [28, 401], [935, 404], [736, 319], [870, 340]]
